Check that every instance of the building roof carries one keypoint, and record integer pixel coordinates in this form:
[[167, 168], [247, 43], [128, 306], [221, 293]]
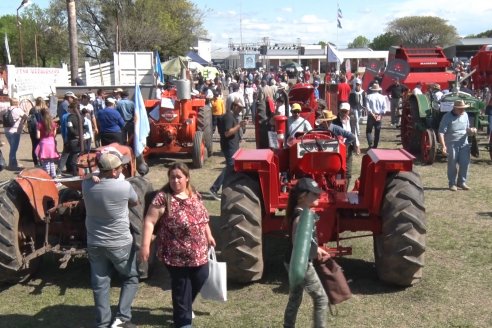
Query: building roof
[[473, 41]]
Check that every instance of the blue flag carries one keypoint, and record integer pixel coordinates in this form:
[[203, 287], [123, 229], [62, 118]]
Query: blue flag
[[158, 68], [142, 126]]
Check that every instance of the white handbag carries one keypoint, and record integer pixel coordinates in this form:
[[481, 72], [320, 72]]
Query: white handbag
[[215, 287]]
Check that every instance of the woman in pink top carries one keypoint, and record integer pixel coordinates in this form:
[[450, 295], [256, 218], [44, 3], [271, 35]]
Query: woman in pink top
[[46, 149], [184, 237]]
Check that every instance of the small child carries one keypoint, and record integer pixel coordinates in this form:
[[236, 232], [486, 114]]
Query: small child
[[305, 194], [46, 148]]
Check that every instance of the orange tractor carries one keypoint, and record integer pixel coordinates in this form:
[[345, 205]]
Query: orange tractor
[[386, 203], [37, 218], [180, 124]]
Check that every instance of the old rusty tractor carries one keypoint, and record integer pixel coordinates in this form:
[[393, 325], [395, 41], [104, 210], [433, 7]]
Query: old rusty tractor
[[180, 124], [37, 218], [421, 115], [386, 203]]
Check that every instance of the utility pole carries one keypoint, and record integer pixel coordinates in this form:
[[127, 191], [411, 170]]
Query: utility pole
[[72, 38]]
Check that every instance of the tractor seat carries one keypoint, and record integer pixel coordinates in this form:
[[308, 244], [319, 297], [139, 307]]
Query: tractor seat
[[321, 162]]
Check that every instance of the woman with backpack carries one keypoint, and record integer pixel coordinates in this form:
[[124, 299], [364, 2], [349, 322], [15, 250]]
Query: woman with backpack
[[32, 126], [46, 148]]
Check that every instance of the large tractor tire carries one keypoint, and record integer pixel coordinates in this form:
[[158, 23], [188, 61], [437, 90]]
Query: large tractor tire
[[409, 128], [199, 151], [428, 147], [240, 241], [17, 234], [137, 214], [205, 125], [399, 249]]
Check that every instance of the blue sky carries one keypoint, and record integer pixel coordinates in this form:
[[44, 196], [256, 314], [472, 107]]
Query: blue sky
[[315, 20]]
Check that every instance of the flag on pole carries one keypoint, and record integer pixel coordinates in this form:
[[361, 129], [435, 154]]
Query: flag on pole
[[333, 56], [339, 17], [142, 126], [158, 68], [7, 49]]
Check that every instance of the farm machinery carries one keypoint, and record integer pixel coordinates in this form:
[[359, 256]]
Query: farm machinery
[[421, 115], [37, 217], [180, 124], [386, 203]]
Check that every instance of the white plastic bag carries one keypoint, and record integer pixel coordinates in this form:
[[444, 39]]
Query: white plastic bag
[[215, 288]]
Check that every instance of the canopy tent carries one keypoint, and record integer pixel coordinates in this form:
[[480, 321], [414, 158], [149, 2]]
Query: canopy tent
[[175, 65], [209, 72], [195, 66], [196, 58]]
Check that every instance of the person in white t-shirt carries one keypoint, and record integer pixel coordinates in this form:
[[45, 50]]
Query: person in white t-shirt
[[297, 123]]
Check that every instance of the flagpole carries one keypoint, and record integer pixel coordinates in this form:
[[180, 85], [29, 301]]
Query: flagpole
[[338, 7]]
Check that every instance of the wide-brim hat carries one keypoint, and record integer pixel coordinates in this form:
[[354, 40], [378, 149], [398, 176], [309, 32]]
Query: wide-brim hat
[[327, 115], [110, 158], [460, 104], [70, 94], [375, 87]]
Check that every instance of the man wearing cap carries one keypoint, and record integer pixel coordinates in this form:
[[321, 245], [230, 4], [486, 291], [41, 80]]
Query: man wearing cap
[[110, 123], [357, 101], [297, 123], [395, 91], [376, 107], [109, 241], [229, 143], [454, 129], [63, 107], [126, 108]]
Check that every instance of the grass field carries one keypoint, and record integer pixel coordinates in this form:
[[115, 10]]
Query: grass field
[[456, 290]]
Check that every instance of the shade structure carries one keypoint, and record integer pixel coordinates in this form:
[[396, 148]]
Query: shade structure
[[194, 66], [175, 65], [209, 72]]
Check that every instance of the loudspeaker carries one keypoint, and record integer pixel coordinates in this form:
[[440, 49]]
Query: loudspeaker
[[302, 50], [263, 50]]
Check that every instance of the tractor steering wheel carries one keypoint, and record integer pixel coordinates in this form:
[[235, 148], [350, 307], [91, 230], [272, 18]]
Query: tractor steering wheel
[[316, 134]]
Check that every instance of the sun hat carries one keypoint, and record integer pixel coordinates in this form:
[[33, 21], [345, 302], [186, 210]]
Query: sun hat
[[307, 184], [70, 94], [118, 90], [110, 158], [460, 104], [375, 87], [327, 115], [296, 108], [345, 106]]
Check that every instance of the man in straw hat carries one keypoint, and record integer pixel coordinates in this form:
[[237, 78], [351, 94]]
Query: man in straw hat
[[453, 136], [376, 107]]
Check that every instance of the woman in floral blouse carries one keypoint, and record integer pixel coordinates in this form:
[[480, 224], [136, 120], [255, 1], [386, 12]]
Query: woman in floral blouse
[[184, 237]]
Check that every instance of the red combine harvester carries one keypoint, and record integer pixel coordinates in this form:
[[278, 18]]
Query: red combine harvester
[[481, 65], [179, 124], [412, 65], [387, 202]]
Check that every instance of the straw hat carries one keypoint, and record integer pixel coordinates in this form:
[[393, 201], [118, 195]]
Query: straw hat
[[460, 104], [327, 115], [375, 87]]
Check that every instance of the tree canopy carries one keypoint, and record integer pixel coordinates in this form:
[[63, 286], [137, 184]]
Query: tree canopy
[[359, 42], [422, 31]]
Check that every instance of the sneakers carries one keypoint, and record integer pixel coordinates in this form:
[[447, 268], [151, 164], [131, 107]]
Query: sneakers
[[453, 188], [464, 186], [192, 315], [214, 194], [118, 323]]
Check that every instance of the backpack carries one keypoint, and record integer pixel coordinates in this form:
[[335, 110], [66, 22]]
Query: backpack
[[8, 119], [32, 122]]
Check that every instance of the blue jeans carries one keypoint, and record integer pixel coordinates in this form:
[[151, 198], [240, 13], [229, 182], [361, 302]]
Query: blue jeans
[[458, 155], [13, 140], [372, 123], [103, 261], [226, 170]]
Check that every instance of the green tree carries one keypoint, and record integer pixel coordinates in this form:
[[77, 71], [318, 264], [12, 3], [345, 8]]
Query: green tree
[[384, 41], [486, 34], [423, 31], [359, 42], [8, 27]]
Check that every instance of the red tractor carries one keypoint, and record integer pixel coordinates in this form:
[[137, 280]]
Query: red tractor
[[180, 124], [387, 201], [37, 218]]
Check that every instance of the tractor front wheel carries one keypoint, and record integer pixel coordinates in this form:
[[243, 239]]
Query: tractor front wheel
[[399, 249], [205, 125], [410, 117], [428, 147], [240, 241], [17, 235], [199, 151]]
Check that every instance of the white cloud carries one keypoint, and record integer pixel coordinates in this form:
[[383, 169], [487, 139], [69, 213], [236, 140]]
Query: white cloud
[[286, 9]]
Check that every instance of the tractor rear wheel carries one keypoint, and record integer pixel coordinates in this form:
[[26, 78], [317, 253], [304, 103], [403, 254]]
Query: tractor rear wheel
[[399, 249], [410, 118], [428, 147], [137, 214], [199, 152], [205, 125], [240, 241], [17, 234]]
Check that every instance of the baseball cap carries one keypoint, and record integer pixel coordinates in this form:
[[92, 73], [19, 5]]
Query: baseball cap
[[345, 106], [307, 184], [110, 100], [110, 158], [296, 108], [358, 81]]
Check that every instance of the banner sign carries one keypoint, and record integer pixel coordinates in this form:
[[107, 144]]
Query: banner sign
[[249, 61]]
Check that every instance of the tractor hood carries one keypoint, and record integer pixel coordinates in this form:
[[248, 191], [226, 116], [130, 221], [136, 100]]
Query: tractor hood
[[301, 92]]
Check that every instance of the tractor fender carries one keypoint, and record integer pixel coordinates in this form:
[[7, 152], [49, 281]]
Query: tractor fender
[[300, 250], [424, 105], [40, 189]]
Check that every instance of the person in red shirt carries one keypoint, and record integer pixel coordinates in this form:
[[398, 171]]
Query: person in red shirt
[[343, 90]]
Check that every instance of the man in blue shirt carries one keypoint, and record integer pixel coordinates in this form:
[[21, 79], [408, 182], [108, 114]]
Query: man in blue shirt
[[110, 123], [126, 108]]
